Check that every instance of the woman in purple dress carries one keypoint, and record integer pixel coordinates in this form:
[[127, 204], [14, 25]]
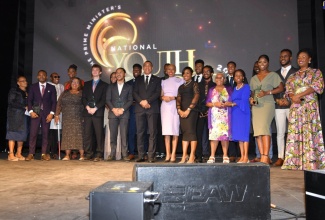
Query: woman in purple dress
[[241, 114], [169, 116]]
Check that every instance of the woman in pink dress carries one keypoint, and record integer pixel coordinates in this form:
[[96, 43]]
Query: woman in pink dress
[[169, 116]]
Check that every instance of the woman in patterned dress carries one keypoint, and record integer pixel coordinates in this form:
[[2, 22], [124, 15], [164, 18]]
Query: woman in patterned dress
[[305, 144], [71, 107], [219, 100]]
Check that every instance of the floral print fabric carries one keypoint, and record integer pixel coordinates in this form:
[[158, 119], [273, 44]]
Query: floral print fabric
[[219, 118], [305, 144]]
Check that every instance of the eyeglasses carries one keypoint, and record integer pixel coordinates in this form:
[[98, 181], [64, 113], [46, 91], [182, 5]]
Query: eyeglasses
[[219, 77], [56, 77]]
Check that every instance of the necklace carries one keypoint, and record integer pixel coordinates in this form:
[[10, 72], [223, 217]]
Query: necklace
[[301, 71], [238, 88], [186, 83]]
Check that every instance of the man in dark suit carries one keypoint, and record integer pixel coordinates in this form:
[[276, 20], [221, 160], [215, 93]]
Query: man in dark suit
[[41, 106], [146, 93], [282, 110], [119, 99], [233, 148], [199, 64], [94, 99], [132, 130], [202, 121], [231, 67]]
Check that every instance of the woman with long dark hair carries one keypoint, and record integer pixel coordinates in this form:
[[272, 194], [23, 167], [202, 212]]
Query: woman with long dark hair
[[263, 86]]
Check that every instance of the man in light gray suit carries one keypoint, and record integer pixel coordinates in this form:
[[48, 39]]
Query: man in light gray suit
[[119, 99]]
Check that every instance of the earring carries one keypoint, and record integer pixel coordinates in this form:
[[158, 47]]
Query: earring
[[309, 62]]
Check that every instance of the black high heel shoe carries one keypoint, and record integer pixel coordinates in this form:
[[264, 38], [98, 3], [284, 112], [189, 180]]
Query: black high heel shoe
[[167, 160]]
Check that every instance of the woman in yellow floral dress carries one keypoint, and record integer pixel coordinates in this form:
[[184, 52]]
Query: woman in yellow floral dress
[[305, 143]]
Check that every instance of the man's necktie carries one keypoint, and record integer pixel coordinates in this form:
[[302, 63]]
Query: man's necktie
[[43, 89], [147, 81], [197, 78], [94, 86], [231, 81], [284, 73]]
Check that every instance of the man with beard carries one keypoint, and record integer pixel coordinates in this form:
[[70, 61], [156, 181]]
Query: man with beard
[[202, 121], [282, 108], [198, 70]]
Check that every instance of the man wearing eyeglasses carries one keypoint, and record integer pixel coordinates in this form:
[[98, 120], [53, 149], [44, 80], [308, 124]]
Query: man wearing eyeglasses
[[52, 147]]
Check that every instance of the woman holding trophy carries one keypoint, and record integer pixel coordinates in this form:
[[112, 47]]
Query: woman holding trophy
[[305, 144], [263, 85]]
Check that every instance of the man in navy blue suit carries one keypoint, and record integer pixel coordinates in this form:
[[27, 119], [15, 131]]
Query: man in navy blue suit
[[41, 105]]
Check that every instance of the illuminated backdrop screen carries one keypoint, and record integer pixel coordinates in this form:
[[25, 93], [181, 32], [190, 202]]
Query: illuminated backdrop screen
[[121, 33]]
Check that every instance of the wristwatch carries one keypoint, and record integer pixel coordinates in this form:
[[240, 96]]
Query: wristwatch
[[270, 92]]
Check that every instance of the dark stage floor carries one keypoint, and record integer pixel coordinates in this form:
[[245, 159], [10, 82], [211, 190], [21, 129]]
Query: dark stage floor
[[57, 189]]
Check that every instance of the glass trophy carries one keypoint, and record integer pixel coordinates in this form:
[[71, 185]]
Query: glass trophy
[[37, 108], [255, 98], [92, 103]]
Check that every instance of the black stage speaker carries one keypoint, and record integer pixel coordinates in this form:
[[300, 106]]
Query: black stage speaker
[[206, 191], [121, 201], [315, 194]]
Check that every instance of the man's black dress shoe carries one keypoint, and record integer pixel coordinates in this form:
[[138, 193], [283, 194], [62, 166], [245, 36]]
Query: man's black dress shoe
[[97, 159], [151, 160], [139, 160]]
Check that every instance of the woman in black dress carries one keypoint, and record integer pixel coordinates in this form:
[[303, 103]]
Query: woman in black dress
[[17, 121], [187, 98]]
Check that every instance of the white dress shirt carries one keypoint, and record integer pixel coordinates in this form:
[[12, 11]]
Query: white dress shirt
[[284, 73], [120, 87]]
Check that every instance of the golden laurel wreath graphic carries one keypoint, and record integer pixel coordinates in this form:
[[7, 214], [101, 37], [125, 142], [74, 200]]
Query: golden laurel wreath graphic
[[104, 34]]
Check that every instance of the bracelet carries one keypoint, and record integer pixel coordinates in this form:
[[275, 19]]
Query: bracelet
[[189, 109], [270, 92]]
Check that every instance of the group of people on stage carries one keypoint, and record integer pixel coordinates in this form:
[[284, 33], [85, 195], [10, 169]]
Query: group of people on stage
[[202, 109]]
